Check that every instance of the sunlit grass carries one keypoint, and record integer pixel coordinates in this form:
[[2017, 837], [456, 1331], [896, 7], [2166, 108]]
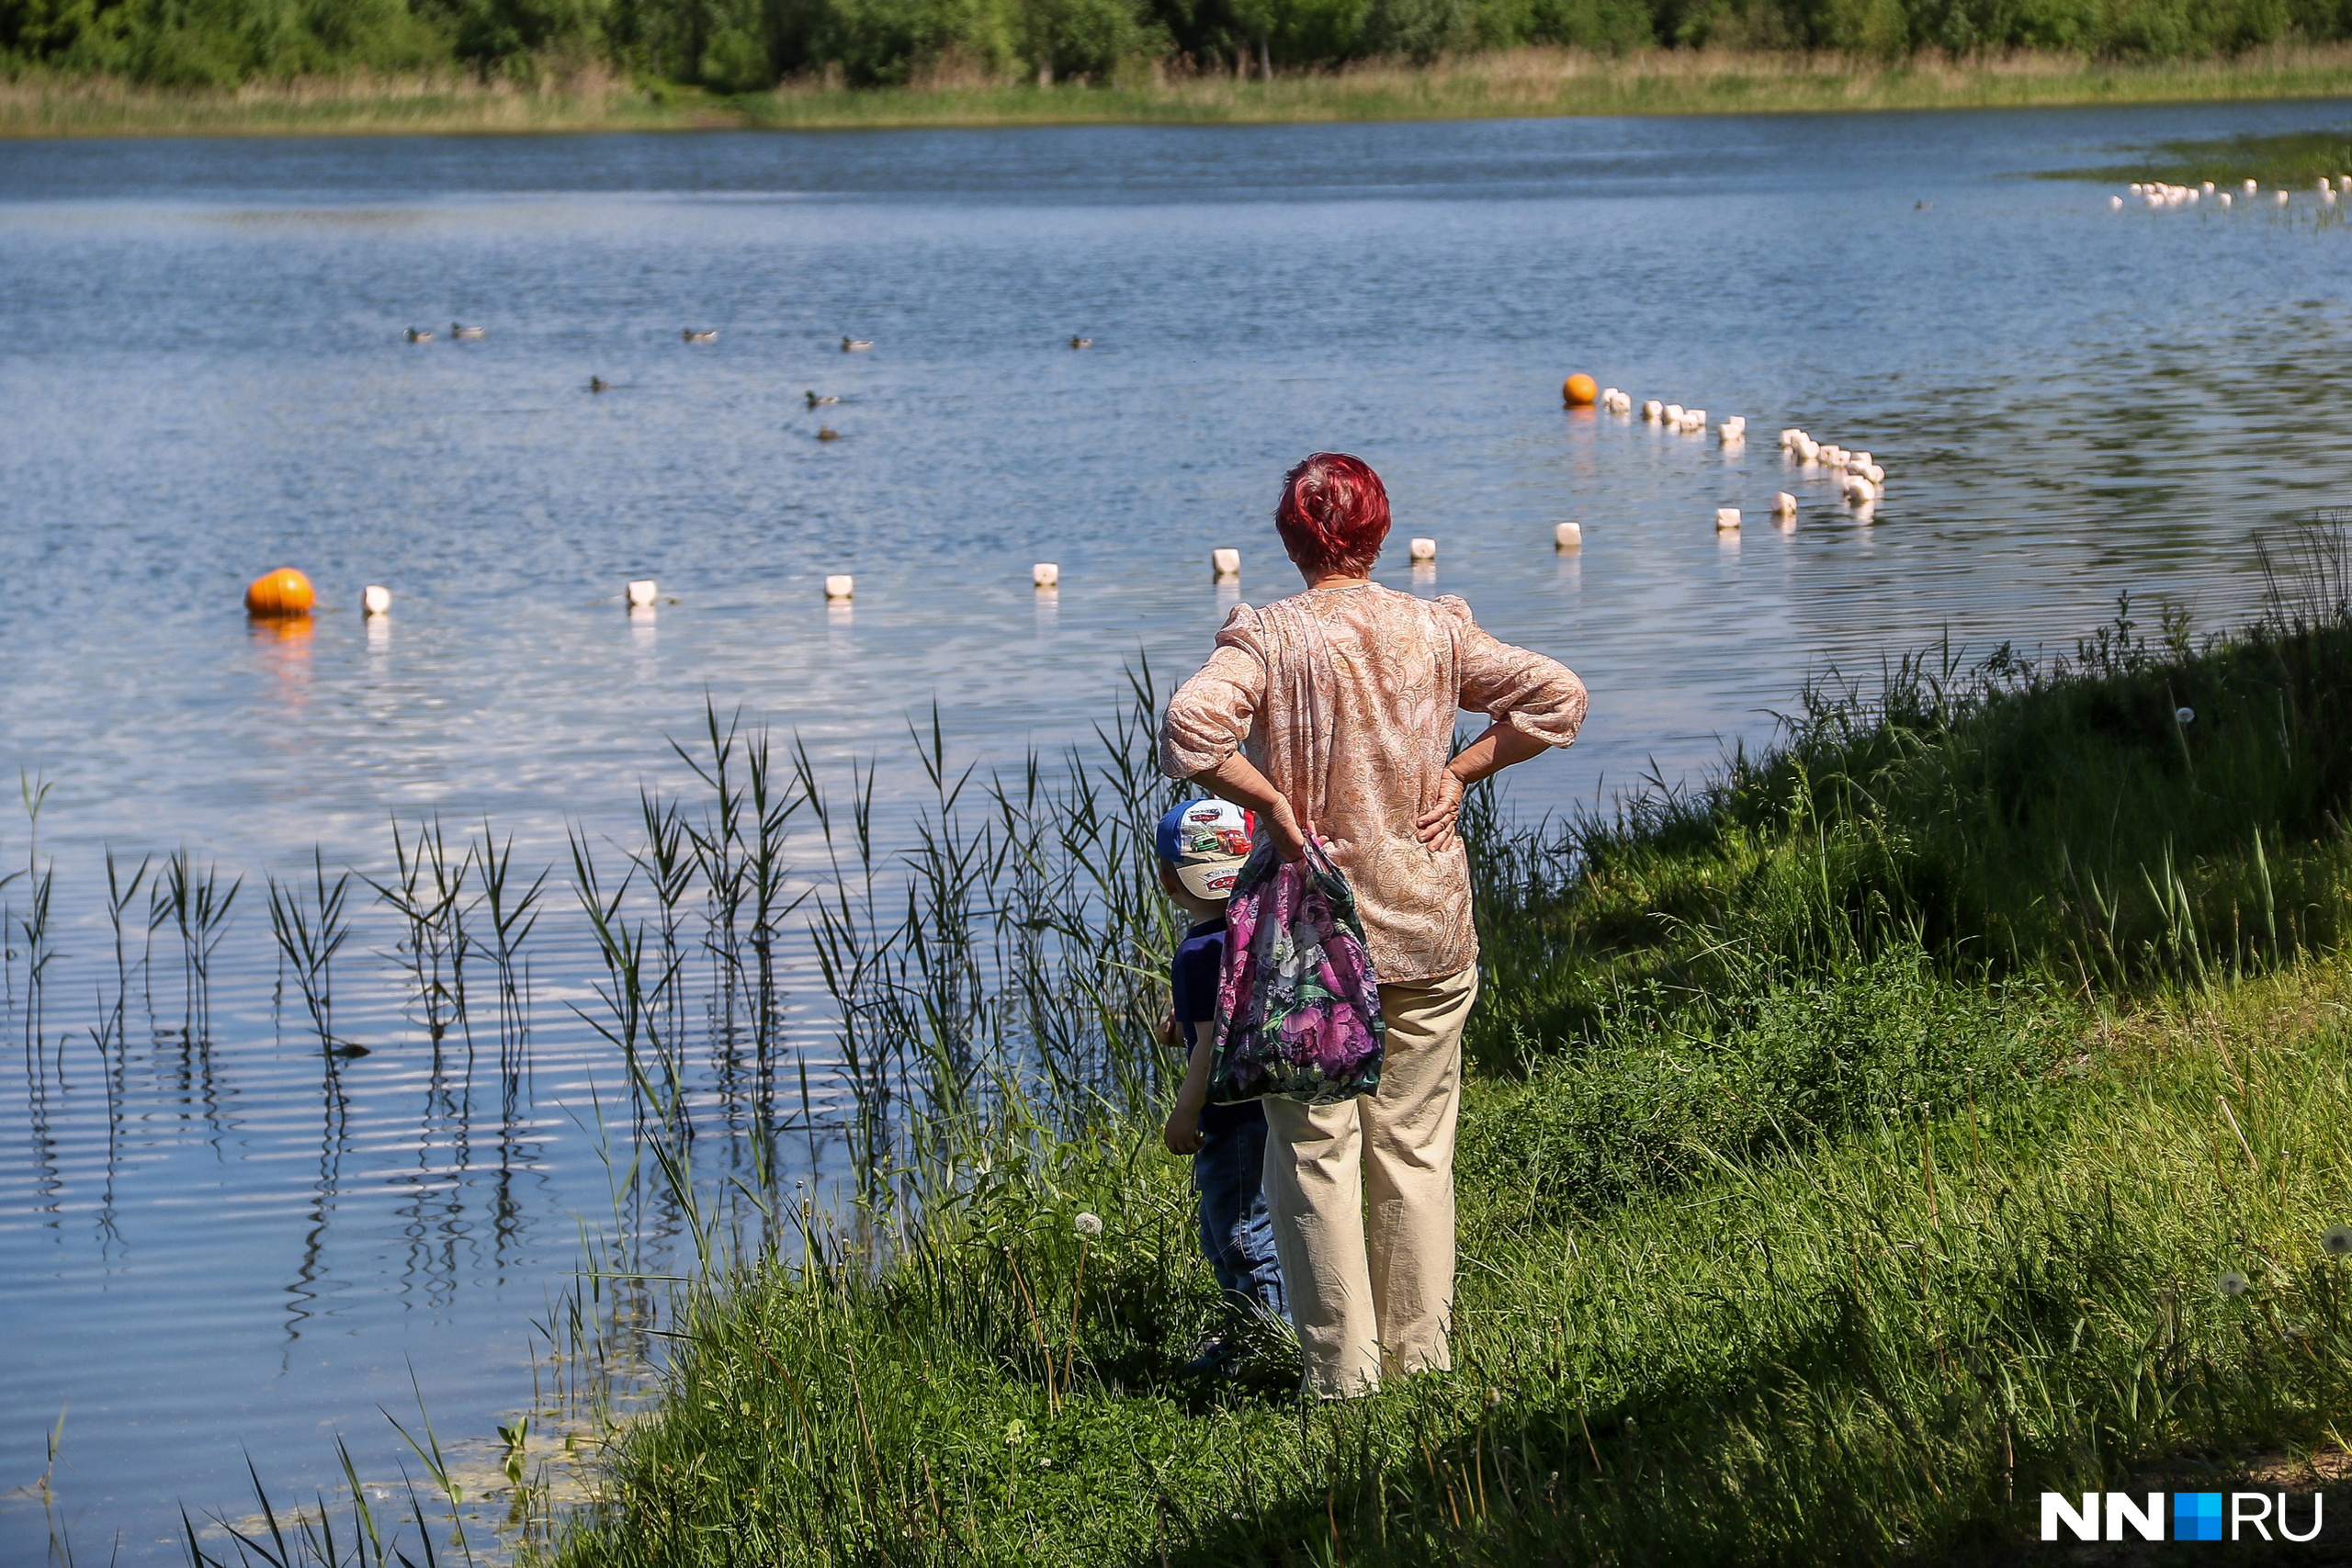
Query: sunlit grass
[[1518, 81]]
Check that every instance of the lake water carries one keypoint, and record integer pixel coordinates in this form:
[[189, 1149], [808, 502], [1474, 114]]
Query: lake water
[[207, 1249]]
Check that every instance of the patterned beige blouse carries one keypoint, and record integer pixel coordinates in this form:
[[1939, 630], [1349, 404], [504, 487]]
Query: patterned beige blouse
[[1344, 698]]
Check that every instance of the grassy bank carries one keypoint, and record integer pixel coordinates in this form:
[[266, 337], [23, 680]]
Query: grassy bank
[[1945, 1105], [1522, 81]]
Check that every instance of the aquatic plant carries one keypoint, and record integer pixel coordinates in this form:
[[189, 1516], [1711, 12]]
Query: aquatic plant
[[199, 907], [309, 937], [427, 891]]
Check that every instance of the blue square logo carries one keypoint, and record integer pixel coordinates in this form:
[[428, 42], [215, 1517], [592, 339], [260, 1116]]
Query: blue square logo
[[2197, 1516]]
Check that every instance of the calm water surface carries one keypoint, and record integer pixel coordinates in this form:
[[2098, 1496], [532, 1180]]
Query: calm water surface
[[206, 1248]]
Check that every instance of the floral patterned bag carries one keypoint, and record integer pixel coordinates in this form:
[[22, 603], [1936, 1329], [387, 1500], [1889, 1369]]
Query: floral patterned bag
[[1297, 1003]]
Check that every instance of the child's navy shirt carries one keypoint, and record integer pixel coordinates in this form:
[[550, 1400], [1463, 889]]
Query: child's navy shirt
[[1192, 980]]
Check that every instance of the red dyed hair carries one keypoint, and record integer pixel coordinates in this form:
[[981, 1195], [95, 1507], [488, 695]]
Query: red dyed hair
[[1334, 513]]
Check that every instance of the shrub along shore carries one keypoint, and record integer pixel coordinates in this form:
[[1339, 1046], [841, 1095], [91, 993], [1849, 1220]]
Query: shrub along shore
[[1543, 80], [1946, 1105]]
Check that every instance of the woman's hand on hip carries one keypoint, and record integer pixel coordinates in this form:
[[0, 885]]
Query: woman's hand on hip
[[1436, 825]]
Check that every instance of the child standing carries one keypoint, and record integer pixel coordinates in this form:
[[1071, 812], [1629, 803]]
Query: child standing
[[1201, 845]]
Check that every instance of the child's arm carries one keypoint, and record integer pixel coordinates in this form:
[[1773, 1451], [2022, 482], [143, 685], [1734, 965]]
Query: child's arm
[[1183, 1133]]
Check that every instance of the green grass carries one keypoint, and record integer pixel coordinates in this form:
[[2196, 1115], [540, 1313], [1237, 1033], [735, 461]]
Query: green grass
[[1901, 1336], [1518, 81], [2294, 161], [1859, 1148]]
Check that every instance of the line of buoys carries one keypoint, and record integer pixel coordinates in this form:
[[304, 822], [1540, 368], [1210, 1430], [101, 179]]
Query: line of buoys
[[1045, 574], [1567, 537], [1421, 551], [1226, 563], [278, 594]]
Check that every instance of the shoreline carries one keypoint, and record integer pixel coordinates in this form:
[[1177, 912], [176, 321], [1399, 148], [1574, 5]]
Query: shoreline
[[1525, 82]]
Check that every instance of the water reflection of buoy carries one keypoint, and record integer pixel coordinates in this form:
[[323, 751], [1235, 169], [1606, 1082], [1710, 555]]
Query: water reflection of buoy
[[1422, 550], [1045, 574], [1226, 563], [278, 593], [838, 586], [376, 600], [641, 593], [1567, 537], [1579, 391]]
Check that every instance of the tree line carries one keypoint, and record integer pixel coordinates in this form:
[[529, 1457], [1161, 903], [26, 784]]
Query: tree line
[[736, 46]]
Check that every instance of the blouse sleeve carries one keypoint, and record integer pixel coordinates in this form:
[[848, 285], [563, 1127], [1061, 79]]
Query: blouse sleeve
[[1210, 715], [1540, 697]]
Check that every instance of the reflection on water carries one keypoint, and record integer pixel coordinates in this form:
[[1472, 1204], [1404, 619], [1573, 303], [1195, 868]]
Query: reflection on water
[[216, 1233]]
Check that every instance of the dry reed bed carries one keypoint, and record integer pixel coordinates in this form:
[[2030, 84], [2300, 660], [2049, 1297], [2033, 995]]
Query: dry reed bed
[[1530, 82]]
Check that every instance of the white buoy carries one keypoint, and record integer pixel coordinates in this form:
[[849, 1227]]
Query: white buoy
[[1726, 517], [2136, 187], [2115, 203], [641, 592], [1783, 504], [1808, 450], [1674, 413], [2249, 187], [2224, 199], [1695, 419], [1875, 474], [376, 600], [1422, 550], [2283, 199], [839, 586], [1652, 411], [1226, 563], [1859, 488], [1569, 536], [2209, 187], [1045, 574]]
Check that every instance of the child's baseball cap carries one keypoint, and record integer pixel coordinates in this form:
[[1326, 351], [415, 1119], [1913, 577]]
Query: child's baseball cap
[[1205, 843]]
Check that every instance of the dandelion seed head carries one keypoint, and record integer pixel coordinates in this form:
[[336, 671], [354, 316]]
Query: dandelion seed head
[[1088, 1225], [2185, 716], [2233, 1283]]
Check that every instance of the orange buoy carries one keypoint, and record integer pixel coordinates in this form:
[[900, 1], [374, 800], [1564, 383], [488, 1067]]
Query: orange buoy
[[281, 592], [1579, 391]]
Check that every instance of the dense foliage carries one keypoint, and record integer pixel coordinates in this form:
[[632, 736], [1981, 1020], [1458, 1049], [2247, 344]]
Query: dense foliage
[[733, 46]]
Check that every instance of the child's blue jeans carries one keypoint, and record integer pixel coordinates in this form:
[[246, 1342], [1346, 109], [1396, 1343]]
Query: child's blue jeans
[[1236, 1232]]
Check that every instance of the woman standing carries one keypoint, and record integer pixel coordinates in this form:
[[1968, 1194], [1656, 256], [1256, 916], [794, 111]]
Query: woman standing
[[1331, 713]]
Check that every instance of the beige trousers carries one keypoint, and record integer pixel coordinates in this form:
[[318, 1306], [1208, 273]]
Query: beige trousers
[[1370, 1297]]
